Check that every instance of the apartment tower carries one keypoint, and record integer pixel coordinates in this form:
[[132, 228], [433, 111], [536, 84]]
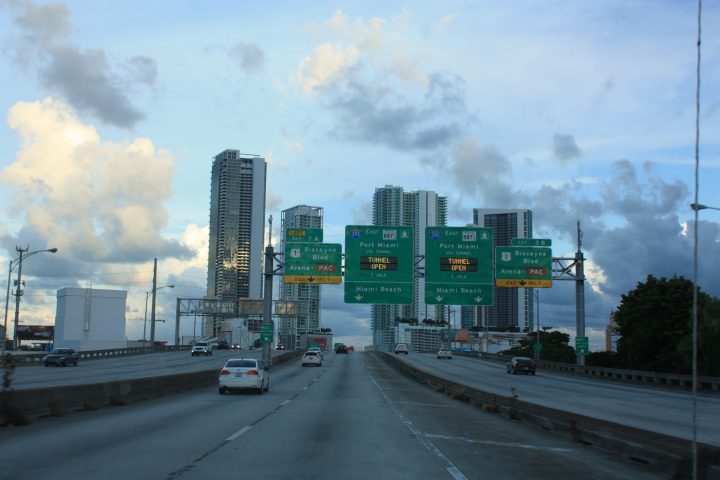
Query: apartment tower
[[306, 296], [420, 209], [237, 221], [513, 307]]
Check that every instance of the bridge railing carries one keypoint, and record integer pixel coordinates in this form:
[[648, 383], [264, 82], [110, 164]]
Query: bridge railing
[[25, 359], [705, 384]]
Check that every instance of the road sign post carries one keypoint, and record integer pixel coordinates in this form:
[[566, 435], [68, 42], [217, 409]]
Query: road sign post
[[581, 346], [523, 267], [458, 266], [313, 263], [378, 264], [266, 333]]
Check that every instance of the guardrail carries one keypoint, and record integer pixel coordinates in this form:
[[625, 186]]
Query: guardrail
[[28, 359], [21, 406], [662, 379], [664, 453]]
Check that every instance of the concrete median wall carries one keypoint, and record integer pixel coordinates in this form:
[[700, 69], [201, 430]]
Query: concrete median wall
[[660, 379], [661, 452], [20, 406]]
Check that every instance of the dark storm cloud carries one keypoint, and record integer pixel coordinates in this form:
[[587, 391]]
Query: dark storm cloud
[[373, 113], [84, 77], [565, 148], [250, 58]]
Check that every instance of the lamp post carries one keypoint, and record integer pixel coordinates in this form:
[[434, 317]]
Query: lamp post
[[536, 294], [147, 295], [22, 254]]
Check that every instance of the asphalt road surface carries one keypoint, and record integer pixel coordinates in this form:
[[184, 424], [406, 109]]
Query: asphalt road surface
[[646, 407], [353, 418]]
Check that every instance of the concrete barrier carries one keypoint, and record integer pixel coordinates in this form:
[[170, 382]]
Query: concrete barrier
[[661, 452], [30, 359], [660, 379], [29, 404]]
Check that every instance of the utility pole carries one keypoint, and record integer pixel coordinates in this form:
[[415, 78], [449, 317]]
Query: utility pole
[[18, 293], [267, 296], [152, 314], [579, 292]]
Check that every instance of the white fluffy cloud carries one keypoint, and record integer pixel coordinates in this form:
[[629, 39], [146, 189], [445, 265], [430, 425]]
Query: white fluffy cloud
[[93, 199], [325, 65]]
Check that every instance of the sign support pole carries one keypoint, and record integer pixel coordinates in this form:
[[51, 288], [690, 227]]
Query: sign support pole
[[580, 292], [267, 296]]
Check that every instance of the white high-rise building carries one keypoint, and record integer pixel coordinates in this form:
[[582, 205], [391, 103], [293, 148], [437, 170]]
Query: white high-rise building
[[512, 307], [420, 209], [306, 296], [237, 226]]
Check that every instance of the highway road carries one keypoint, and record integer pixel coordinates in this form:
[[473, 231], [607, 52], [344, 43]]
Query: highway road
[[353, 418], [646, 407], [126, 367]]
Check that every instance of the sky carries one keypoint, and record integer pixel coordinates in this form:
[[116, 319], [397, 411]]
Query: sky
[[579, 111]]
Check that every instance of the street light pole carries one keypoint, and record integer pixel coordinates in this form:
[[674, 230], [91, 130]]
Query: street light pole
[[18, 292], [7, 302], [147, 295]]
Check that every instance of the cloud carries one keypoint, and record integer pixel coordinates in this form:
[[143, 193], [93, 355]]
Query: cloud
[[372, 113], [369, 79], [448, 19], [250, 58], [565, 148], [326, 65], [84, 77], [94, 200]]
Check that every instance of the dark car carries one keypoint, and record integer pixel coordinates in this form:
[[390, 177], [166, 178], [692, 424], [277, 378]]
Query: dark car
[[521, 364], [223, 345], [61, 357], [341, 349]]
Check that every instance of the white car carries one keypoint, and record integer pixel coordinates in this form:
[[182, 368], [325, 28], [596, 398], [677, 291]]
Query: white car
[[401, 348], [444, 353], [244, 374], [201, 348], [316, 350], [312, 358]]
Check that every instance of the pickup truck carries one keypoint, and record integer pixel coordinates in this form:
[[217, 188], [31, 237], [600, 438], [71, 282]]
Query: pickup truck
[[61, 357]]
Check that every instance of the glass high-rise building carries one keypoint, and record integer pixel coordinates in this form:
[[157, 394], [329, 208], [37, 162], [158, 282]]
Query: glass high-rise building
[[420, 209], [237, 226], [512, 307], [306, 296]]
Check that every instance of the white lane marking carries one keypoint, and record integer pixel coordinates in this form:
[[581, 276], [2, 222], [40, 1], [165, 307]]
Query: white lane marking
[[499, 444], [456, 474], [305, 388], [452, 469], [238, 433], [426, 404], [284, 403]]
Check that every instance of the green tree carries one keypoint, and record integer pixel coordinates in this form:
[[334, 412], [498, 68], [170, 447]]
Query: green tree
[[655, 322], [555, 347]]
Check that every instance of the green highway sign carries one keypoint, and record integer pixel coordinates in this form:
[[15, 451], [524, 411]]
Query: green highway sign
[[458, 266], [581, 346], [266, 332], [313, 235], [531, 242], [378, 264], [313, 263], [523, 267]]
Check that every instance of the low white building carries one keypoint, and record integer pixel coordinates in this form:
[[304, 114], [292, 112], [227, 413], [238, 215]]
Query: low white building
[[90, 319]]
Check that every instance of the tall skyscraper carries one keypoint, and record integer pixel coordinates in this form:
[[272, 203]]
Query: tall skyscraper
[[306, 296], [420, 209], [512, 306], [237, 225]]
